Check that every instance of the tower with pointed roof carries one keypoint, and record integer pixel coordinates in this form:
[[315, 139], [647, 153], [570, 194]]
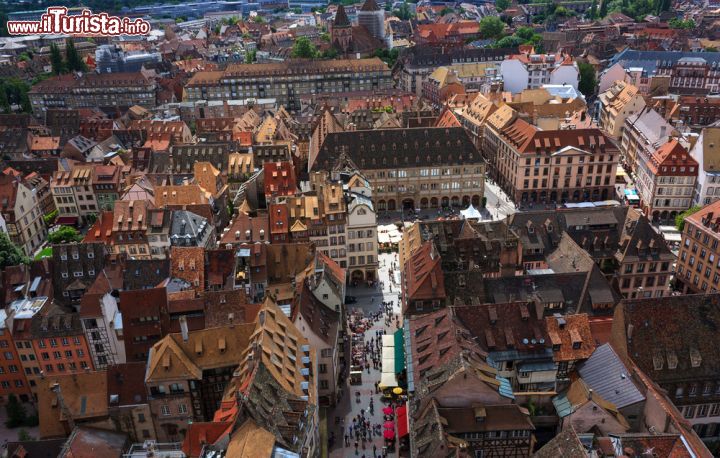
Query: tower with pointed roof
[[372, 17], [341, 31]]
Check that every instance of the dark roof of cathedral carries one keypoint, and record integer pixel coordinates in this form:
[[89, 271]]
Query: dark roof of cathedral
[[370, 5], [341, 19]]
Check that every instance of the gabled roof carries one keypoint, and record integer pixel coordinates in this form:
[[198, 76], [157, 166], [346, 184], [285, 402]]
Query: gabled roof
[[341, 18], [251, 441], [370, 5], [608, 376], [423, 274], [174, 358], [565, 444], [671, 338], [201, 433]]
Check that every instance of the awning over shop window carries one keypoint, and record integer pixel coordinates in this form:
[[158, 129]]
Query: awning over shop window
[[387, 380], [402, 421], [399, 351]]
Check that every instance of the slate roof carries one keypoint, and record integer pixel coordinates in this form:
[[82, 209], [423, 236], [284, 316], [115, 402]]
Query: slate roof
[[651, 60], [323, 321], [608, 376], [187, 229], [145, 273], [392, 148]]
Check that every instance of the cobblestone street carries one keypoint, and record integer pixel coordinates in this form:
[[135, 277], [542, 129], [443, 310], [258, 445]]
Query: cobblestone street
[[368, 301]]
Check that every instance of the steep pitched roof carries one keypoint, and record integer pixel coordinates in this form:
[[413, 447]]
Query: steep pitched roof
[[370, 5], [341, 18], [671, 338], [173, 358]]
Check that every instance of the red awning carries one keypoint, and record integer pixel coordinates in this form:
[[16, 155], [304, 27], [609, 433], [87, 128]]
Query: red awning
[[66, 220], [402, 421]]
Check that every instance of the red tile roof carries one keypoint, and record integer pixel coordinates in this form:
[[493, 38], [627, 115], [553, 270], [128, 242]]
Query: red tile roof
[[423, 274], [199, 434], [279, 219]]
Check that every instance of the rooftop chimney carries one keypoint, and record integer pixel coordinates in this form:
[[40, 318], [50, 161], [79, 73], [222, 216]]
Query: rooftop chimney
[[184, 328]]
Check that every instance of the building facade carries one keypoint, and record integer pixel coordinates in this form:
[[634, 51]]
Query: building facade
[[411, 168], [22, 213], [666, 181], [531, 71], [616, 104], [550, 166], [698, 263], [93, 90], [288, 81]]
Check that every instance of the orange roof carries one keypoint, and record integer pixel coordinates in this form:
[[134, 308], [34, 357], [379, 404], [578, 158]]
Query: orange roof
[[199, 434], [423, 273], [574, 337], [245, 138], [101, 231], [670, 154], [45, 143]]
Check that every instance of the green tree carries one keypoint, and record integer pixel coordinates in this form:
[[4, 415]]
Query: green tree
[[603, 9], [502, 5], [50, 217], [250, 57], [66, 234], [56, 60], [446, 11], [510, 41], [259, 19], [73, 60], [403, 12], [491, 27], [329, 53], [588, 80], [16, 415], [592, 14], [10, 254], [304, 48], [14, 91], [24, 436], [680, 219], [387, 56], [676, 23], [663, 5]]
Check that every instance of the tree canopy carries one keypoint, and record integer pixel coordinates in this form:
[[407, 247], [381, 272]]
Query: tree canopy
[[14, 91], [676, 23], [502, 5], [10, 254], [74, 62], [66, 234], [588, 79], [56, 60], [491, 27], [403, 12], [680, 219], [304, 48]]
